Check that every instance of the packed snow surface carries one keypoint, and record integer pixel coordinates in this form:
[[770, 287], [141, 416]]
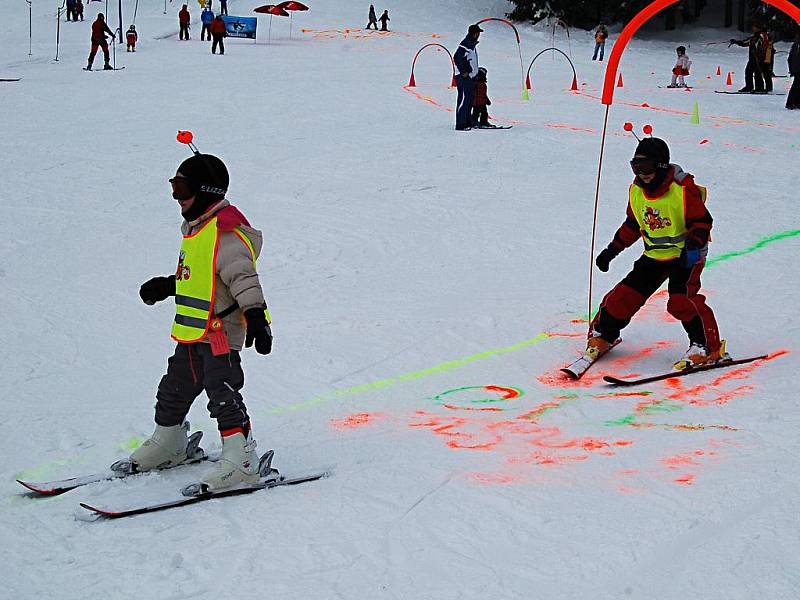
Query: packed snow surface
[[426, 286]]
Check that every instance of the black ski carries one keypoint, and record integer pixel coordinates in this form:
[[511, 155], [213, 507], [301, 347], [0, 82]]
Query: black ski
[[119, 470], [495, 127], [750, 93], [114, 69], [249, 488], [688, 371], [9, 79]]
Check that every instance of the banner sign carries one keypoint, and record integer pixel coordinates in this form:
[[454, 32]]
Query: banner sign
[[241, 27]]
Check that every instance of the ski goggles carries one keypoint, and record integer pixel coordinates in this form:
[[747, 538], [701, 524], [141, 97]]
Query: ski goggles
[[643, 166], [181, 190]]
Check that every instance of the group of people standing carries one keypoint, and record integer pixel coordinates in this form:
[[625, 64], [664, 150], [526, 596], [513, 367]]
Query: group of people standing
[[373, 20], [212, 26], [74, 10], [471, 81]]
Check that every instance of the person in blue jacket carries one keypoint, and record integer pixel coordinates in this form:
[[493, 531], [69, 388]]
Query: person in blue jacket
[[206, 17], [466, 60]]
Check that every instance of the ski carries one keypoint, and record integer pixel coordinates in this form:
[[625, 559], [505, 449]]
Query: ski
[[194, 493], [495, 127], [675, 87], [750, 93], [576, 369], [114, 69], [119, 470], [8, 79], [688, 371]]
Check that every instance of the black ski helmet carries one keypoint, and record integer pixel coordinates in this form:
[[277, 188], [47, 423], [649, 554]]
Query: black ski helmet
[[207, 176], [655, 149]]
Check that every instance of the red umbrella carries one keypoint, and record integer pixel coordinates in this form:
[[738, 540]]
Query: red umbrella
[[271, 10], [292, 6]]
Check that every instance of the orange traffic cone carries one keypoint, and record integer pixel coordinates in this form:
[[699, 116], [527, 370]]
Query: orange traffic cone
[[719, 71], [412, 82], [619, 81], [730, 80], [453, 83], [574, 83]]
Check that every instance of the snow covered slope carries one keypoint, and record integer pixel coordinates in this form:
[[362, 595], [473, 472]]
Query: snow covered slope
[[426, 286]]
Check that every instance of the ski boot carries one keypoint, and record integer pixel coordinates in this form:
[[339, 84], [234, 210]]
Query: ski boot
[[89, 66], [108, 67], [698, 355], [239, 463], [596, 346], [673, 85], [167, 447]]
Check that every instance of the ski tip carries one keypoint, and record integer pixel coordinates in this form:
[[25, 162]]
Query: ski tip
[[569, 374], [39, 490], [99, 511]]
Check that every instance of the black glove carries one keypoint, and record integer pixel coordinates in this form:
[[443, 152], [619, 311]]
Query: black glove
[[157, 289], [258, 330], [604, 259]]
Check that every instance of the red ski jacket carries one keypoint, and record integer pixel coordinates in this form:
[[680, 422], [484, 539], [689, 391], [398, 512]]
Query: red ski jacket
[[481, 95], [183, 17], [217, 26]]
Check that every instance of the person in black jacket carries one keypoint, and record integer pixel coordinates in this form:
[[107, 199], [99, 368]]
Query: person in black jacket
[[373, 20], [466, 60], [793, 101]]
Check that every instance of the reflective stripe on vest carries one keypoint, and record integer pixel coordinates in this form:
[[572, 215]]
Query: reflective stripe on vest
[[195, 283], [662, 221]]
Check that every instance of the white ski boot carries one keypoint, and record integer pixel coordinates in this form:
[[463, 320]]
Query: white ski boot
[[239, 464], [167, 447], [698, 355]]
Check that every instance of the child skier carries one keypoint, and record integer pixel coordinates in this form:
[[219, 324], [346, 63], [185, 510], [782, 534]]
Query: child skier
[[130, 37], [219, 307], [480, 114], [681, 68], [667, 210]]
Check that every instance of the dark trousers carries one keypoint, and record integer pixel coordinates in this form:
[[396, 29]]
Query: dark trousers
[[193, 369], [205, 30], [754, 73], [480, 115], [184, 32], [599, 47], [685, 302], [466, 96], [224, 7], [793, 100], [375, 23], [99, 44], [218, 40]]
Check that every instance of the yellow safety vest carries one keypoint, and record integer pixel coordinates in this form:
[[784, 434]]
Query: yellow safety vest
[[195, 281], [662, 220]]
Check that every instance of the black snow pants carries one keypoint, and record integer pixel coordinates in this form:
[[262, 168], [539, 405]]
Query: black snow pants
[[217, 40], [192, 369], [466, 96], [793, 100]]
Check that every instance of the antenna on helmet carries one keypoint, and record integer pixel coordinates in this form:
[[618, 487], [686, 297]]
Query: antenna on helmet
[[186, 137], [629, 128]]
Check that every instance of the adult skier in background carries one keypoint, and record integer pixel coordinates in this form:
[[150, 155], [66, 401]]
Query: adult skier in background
[[755, 73], [466, 61], [384, 19], [373, 19], [184, 19], [218, 33], [206, 18], [600, 37], [666, 209], [99, 31], [219, 307]]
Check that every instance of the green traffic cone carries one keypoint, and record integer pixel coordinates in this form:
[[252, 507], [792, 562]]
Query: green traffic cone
[[695, 115], [525, 95]]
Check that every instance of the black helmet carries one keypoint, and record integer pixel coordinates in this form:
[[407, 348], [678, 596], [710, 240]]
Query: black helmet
[[206, 176], [655, 149]]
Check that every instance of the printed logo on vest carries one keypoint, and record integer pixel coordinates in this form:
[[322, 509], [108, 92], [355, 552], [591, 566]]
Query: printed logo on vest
[[654, 220], [184, 272]]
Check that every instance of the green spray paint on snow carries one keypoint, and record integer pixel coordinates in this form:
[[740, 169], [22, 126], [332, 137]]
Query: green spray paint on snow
[[750, 249]]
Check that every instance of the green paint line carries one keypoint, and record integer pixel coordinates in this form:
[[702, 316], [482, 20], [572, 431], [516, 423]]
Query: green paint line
[[411, 376], [623, 421], [757, 246], [665, 407]]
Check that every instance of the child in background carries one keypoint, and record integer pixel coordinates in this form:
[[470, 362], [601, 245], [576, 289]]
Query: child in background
[[130, 37], [681, 68], [480, 114]]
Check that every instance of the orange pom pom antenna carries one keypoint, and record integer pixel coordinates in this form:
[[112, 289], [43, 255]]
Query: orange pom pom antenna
[[648, 129], [628, 126], [186, 137]]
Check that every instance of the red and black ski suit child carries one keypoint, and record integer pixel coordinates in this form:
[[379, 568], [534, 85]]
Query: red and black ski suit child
[[183, 22], [480, 114], [672, 220], [99, 31]]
